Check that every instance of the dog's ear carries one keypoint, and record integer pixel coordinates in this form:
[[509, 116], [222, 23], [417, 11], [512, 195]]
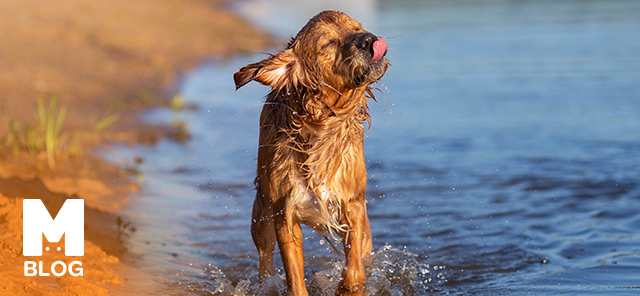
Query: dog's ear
[[273, 71]]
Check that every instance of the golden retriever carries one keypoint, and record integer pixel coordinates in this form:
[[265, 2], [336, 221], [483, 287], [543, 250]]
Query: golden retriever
[[311, 165]]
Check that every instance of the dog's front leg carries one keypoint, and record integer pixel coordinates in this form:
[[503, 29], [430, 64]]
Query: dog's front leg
[[290, 243], [353, 277]]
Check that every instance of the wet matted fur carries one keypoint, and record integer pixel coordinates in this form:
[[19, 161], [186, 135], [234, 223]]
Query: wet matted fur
[[311, 165]]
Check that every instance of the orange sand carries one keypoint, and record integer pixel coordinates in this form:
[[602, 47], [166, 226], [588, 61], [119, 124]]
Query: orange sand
[[117, 55]]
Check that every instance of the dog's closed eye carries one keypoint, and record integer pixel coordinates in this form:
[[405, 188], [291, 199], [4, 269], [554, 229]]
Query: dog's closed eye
[[328, 44]]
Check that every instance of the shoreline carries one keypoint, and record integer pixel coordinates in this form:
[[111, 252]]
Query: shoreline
[[105, 63]]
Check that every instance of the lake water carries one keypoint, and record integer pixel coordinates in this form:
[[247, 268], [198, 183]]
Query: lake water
[[503, 159]]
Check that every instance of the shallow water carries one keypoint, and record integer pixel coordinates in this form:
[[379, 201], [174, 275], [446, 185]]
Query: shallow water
[[504, 159]]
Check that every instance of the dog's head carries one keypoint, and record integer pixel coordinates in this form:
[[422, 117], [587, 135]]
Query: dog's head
[[332, 49]]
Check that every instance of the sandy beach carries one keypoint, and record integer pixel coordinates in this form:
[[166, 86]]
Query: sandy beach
[[102, 63]]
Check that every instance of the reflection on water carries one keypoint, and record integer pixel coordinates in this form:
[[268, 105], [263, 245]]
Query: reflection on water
[[504, 160]]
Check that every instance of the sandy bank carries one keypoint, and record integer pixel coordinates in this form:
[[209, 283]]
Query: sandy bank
[[99, 59]]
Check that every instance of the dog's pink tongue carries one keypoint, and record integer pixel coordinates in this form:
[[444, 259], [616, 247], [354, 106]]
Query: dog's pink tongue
[[379, 49]]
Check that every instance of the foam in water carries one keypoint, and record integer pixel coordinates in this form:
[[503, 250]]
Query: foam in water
[[390, 271]]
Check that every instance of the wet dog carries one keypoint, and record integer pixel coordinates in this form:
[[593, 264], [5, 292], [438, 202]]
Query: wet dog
[[311, 165]]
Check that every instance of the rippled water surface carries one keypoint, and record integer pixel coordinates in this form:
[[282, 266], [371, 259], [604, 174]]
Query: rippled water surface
[[504, 159]]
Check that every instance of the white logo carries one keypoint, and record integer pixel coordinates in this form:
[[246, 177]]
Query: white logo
[[37, 221]]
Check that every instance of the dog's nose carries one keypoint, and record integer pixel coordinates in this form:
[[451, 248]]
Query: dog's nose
[[365, 42]]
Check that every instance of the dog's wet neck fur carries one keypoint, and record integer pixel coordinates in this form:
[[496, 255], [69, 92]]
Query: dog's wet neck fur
[[314, 108], [320, 124]]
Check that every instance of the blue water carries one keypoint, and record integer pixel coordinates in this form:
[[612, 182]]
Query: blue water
[[503, 159]]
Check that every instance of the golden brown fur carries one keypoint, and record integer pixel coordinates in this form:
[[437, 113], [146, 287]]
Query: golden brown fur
[[311, 166]]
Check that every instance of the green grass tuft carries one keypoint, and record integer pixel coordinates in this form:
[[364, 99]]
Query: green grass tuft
[[51, 124], [106, 120]]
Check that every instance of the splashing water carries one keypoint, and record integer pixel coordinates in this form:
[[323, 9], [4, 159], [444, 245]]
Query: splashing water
[[390, 271]]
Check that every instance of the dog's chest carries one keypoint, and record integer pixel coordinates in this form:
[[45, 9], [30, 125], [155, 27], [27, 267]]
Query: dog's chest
[[335, 165], [333, 173]]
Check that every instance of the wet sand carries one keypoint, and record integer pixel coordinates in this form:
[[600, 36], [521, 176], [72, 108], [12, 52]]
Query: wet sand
[[99, 59]]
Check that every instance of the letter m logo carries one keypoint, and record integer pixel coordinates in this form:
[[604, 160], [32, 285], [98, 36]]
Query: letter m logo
[[37, 221]]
